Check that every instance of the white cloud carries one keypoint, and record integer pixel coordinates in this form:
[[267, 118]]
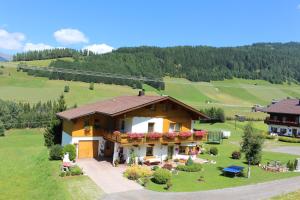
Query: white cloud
[[36, 47], [99, 48], [11, 41], [70, 36]]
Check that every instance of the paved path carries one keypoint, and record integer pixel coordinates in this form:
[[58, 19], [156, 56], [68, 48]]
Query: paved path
[[109, 179], [295, 150], [249, 192]]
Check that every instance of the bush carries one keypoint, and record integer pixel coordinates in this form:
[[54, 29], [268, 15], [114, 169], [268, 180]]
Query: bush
[[189, 161], [270, 137], [56, 152], [76, 170], [2, 130], [62, 174], [167, 166], [213, 151], [68, 173], [169, 184], [288, 139], [145, 181], [135, 172], [195, 167], [70, 148], [91, 86], [154, 168], [236, 155], [161, 176], [67, 88]]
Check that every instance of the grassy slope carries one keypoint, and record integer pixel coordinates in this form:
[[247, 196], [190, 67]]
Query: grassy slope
[[187, 181], [236, 96], [26, 172]]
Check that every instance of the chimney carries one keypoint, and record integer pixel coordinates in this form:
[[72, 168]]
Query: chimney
[[141, 93]]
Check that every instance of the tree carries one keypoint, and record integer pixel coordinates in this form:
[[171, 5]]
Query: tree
[[2, 130], [67, 88], [91, 86], [251, 145], [53, 132]]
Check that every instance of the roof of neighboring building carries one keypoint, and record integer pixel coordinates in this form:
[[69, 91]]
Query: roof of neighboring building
[[286, 106], [120, 105]]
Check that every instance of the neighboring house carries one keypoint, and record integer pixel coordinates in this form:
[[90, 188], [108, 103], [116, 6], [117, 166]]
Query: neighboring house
[[284, 117], [154, 127]]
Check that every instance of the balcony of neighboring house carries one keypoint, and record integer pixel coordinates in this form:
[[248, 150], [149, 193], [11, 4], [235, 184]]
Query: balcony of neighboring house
[[285, 122]]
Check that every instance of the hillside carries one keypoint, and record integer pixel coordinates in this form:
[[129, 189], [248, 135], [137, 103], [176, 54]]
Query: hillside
[[236, 96], [273, 62]]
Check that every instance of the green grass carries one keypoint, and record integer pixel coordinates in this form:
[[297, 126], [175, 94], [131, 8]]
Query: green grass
[[26, 172], [187, 181], [289, 196]]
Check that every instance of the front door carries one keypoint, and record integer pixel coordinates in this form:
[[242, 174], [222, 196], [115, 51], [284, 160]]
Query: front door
[[109, 149], [170, 152]]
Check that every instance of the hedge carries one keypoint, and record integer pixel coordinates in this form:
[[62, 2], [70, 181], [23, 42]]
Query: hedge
[[288, 139]]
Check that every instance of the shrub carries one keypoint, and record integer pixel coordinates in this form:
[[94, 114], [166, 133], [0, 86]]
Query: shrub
[[2, 130], [288, 139], [270, 137], [62, 174], [68, 173], [56, 152], [169, 184], [195, 167], [167, 166], [145, 181], [161, 176], [154, 168], [236, 155], [189, 161], [135, 172], [213, 151], [76, 170], [70, 148], [67, 88], [91, 87]]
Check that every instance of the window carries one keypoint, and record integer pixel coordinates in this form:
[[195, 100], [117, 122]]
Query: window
[[294, 131], [122, 125], [273, 129], [283, 130], [97, 124], [149, 151], [175, 127], [150, 127], [86, 123]]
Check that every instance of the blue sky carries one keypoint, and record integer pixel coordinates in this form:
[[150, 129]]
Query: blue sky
[[31, 24]]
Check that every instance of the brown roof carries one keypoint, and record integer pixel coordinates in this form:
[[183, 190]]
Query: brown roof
[[120, 105], [286, 106]]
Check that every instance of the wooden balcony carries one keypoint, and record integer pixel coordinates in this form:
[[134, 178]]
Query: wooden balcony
[[280, 122], [125, 139]]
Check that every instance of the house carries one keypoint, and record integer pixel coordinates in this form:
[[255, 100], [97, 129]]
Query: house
[[284, 117], [149, 127]]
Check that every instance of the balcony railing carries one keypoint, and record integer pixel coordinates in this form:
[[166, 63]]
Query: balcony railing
[[280, 122], [154, 138]]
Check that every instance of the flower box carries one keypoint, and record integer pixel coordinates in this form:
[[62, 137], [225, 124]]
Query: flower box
[[200, 133], [116, 132], [185, 134], [170, 135], [153, 136], [135, 136]]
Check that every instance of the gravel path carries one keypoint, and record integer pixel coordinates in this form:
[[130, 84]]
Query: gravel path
[[295, 150], [258, 191]]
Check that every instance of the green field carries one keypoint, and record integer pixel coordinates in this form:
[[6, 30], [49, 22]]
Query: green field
[[26, 172], [187, 181], [236, 96]]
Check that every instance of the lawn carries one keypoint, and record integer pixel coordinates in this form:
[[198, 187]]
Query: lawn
[[289, 196], [187, 181], [26, 172]]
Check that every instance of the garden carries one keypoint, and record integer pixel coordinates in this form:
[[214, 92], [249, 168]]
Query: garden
[[206, 176]]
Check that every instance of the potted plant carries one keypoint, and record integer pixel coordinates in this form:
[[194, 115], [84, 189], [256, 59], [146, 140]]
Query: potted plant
[[200, 133], [185, 135], [153, 136], [135, 136], [170, 135]]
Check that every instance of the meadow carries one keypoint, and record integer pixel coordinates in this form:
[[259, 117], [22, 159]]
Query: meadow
[[235, 96], [26, 172]]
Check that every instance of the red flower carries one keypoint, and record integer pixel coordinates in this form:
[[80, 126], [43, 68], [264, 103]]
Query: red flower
[[185, 134], [116, 132], [135, 135], [170, 135], [153, 135], [200, 133]]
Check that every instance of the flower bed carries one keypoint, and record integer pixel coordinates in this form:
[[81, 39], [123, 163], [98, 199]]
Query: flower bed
[[185, 134], [200, 133], [154, 136], [170, 135]]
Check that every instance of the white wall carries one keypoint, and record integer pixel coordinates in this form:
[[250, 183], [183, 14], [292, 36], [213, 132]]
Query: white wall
[[140, 124], [289, 129]]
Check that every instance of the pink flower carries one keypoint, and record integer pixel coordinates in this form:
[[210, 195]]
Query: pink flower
[[170, 135], [185, 134], [153, 135], [200, 133], [135, 135]]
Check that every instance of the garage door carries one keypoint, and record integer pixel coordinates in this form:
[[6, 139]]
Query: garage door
[[88, 149]]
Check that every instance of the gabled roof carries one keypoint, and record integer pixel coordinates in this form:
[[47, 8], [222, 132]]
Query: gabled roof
[[120, 105], [286, 106]]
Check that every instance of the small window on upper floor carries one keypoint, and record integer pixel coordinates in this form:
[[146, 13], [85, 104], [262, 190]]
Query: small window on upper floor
[[86, 123], [97, 124], [151, 127], [122, 125], [175, 127]]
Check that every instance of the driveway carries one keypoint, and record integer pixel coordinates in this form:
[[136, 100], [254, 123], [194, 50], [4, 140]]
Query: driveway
[[258, 191], [110, 179], [286, 149]]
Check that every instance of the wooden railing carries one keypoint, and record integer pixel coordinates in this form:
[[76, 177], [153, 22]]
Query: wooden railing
[[280, 122], [124, 138]]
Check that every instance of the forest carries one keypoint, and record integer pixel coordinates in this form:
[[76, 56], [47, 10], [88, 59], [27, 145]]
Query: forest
[[274, 62]]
